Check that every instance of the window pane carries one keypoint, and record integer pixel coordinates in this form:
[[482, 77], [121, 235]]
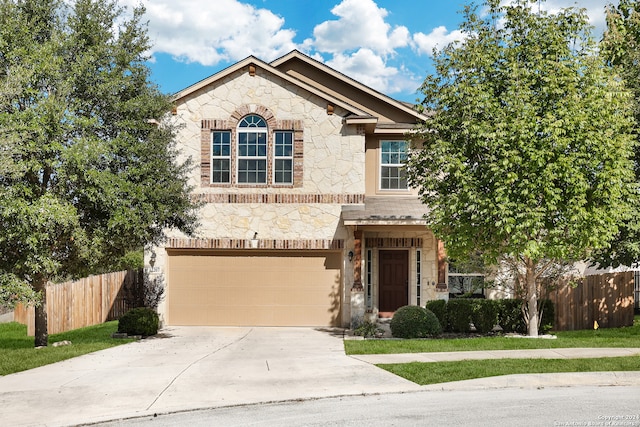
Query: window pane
[[393, 152], [284, 144], [252, 121], [283, 171], [242, 144], [261, 142], [220, 171], [252, 171], [393, 155], [221, 144], [393, 178]]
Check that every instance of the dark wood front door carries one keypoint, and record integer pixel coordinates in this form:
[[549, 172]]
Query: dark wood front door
[[394, 280]]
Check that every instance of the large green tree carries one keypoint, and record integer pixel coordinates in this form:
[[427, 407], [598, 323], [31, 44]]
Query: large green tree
[[87, 173], [620, 48], [527, 154]]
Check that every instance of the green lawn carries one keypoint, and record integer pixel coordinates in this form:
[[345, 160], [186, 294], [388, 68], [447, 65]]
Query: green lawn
[[618, 337], [434, 373], [439, 372], [18, 354]]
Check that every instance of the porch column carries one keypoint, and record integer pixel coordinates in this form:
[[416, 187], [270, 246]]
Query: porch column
[[442, 267], [357, 290], [357, 260]]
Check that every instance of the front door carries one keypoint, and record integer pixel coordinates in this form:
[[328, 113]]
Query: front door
[[394, 280]]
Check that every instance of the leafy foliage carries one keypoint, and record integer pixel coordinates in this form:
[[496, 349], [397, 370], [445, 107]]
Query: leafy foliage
[[484, 315], [139, 321], [510, 316], [438, 307], [367, 329], [620, 47], [412, 321], [528, 151], [84, 177], [459, 312]]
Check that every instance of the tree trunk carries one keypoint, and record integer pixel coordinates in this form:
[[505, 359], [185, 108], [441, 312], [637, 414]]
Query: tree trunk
[[532, 297], [41, 333]]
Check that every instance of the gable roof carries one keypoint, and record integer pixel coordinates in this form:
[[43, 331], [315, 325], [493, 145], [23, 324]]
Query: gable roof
[[252, 60], [330, 91], [281, 63]]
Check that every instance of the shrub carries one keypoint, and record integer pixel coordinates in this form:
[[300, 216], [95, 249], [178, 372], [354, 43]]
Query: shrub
[[439, 308], [412, 321], [143, 291], [511, 320], [510, 316], [459, 312], [139, 321], [484, 315], [367, 329]]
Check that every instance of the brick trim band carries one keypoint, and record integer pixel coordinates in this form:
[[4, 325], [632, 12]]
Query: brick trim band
[[390, 242], [310, 244], [345, 199]]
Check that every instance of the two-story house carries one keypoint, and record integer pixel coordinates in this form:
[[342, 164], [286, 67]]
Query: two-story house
[[307, 217]]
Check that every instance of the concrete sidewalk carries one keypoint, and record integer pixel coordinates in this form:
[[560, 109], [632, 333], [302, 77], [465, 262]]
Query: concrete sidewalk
[[186, 368]]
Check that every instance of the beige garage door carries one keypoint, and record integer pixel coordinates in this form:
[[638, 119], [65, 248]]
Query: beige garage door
[[253, 288]]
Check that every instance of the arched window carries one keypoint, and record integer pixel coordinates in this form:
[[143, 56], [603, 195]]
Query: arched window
[[252, 150]]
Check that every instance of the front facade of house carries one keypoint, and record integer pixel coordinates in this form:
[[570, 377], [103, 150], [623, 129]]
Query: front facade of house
[[306, 219]]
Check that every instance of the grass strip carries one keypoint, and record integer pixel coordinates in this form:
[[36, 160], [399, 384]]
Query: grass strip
[[440, 372], [626, 337], [17, 352]]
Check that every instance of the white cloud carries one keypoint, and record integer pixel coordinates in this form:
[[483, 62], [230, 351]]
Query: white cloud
[[361, 44], [361, 24], [438, 38], [360, 41], [213, 32], [594, 10]]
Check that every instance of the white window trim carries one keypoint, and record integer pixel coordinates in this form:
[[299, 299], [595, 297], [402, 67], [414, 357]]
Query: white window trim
[[212, 157], [275, 157], [399, 165], [252, 130]]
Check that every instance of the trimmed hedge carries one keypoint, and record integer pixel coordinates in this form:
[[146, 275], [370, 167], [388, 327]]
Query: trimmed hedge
[[412, 321], [456, 315], [139, 321], [439, 308], [484, 315], [459, 312], [510, 316]]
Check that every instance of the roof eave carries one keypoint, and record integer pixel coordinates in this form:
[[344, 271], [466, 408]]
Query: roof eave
[[389, 222], [398, 104], [255, 61]]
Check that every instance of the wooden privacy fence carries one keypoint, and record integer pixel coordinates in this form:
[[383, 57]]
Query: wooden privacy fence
[[85, 302], [605, 298]]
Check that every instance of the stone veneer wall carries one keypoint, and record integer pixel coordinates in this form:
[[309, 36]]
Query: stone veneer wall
[[332, 153]]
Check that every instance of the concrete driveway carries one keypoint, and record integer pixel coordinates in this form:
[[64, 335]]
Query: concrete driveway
[[187, 368]]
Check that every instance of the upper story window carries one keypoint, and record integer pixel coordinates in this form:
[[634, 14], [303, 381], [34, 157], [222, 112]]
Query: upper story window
[[221, 157], [252, 150], [283, 157], [393, 154]]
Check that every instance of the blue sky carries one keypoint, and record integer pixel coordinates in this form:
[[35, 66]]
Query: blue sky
[[385, 44]]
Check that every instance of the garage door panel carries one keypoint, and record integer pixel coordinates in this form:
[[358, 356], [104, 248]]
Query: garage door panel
[[284, 289]]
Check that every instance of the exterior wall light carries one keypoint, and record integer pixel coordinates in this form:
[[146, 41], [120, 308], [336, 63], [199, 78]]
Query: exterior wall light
[[350, 256]]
